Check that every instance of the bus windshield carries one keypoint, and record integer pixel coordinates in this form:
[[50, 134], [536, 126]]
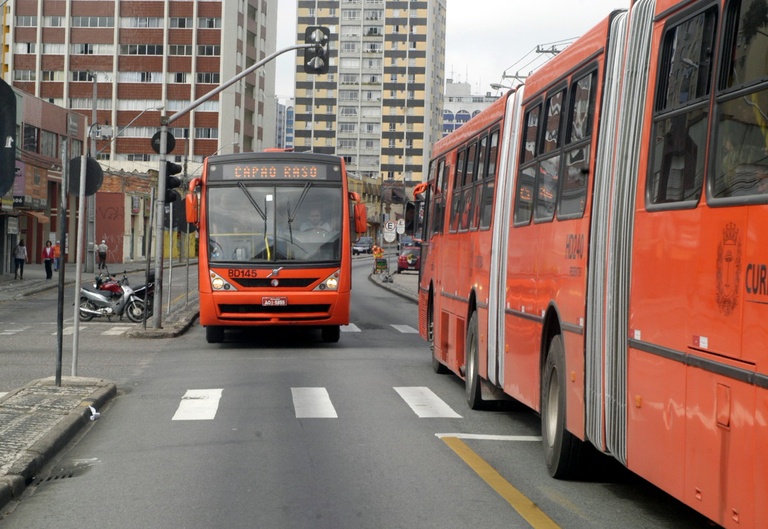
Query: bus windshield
[[268, 223]]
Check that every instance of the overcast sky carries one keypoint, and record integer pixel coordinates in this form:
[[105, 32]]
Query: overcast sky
[[483, 37]]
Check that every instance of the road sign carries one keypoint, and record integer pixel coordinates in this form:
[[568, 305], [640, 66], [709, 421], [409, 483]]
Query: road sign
[[389, 227], [389, 236], [400, 226], [156, 143]]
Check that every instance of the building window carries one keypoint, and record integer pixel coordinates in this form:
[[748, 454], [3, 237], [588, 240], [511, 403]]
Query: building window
[[208, 50], [31, 138], [141, 49], [24, 75], [93, 22], [206, 132], [53, 22], [209, 77], [178, 77], [181, 22], [209, 23], [140, 22], [26, 21], [180, 49]]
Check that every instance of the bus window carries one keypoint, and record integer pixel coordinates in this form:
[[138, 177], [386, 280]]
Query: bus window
[[489, 182], [477, 185], [680, 139], [466, 193], [531, 134], [456, 198], [524, 196], [741, 133], [573, 194], [549, 168]]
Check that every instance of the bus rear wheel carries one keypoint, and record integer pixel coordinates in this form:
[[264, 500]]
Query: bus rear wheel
[[561, 448], [331, 333], [472, 376], [214, 334]]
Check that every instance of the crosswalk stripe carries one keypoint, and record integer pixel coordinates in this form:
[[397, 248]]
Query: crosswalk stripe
[[198, 405], [115, 331], [350, 328], [425, 403], [405, 329], [313, 403]]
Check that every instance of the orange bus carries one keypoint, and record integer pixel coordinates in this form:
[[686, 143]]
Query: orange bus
[[275, 232], [594, 247]]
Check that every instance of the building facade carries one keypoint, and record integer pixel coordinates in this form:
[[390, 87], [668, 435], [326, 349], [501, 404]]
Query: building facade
[[123, 64], [460, 104], [380, 105]]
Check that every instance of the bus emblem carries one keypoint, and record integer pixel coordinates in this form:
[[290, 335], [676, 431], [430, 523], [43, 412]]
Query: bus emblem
[[728, 269], [275, 272]]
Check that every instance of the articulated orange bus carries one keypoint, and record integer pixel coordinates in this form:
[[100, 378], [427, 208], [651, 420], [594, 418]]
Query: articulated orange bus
[[595, 246], [275, 232]]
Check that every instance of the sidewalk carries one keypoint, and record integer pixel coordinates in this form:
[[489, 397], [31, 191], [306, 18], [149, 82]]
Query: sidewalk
[[39, 419]]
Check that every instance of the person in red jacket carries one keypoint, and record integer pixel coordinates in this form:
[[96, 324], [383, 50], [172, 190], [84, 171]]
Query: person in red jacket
[[48, 259]]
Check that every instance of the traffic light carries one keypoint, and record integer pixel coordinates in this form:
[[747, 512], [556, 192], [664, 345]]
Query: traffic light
[[171, 182], [316, 58]]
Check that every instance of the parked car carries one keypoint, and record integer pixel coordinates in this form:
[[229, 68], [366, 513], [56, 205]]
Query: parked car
[[409, 258], [362, 245]]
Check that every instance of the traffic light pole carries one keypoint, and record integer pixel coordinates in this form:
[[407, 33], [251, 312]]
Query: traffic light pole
[[161, 183]]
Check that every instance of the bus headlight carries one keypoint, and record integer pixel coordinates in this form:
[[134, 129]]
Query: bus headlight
[[331, 282], [219, 283]]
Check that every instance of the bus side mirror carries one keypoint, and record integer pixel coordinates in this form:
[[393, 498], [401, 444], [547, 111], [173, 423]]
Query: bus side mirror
[[361, 218], [192, 203]]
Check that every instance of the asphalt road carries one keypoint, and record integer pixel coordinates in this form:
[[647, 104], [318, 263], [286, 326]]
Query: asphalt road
[[277, 429]]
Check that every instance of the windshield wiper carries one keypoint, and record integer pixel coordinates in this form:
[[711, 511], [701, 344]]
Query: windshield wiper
[[261, 213]]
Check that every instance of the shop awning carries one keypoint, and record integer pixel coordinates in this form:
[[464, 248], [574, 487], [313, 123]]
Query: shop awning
[[41, 218]]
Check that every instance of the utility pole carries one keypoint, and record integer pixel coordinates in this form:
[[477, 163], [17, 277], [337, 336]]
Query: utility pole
[[165, 121]]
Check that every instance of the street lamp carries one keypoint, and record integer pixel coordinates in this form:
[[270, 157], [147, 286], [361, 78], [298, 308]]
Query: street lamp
[[119, 132], [498, 86]]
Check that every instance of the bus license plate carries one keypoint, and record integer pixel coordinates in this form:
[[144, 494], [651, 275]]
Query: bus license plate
[[274, 302]]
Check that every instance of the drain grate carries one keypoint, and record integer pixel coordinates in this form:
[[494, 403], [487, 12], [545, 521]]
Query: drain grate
[[70, 469]]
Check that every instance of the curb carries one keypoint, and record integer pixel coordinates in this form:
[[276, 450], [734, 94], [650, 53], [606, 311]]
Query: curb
[[35, 457]]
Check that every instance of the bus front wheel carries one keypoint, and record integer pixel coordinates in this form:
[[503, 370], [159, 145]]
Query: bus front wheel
[[214, 334], [561, 448]]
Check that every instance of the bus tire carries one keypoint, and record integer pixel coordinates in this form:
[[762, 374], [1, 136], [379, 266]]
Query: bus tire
[[214, 334], [472, 381], [331, 333], [561, 448]]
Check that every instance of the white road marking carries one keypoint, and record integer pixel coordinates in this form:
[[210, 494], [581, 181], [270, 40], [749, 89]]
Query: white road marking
[[313, 403], [405, 329], [198, 405], [9, 332], [425, 403], [350, 328], [116, 331], [484, 437], [3, 394]]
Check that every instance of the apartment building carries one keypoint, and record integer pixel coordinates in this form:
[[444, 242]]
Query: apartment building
[[380, 105], [125, 62]]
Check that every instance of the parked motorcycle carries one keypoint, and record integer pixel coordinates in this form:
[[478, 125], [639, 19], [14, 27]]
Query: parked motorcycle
[[147, 292], [110, 302]]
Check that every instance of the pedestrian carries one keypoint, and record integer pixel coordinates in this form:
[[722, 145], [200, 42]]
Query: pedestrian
[[20, 255], [56, 256], [102, 250], [48, 259]]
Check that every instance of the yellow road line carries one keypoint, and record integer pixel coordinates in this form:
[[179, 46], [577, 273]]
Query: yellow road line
[[524, 506]]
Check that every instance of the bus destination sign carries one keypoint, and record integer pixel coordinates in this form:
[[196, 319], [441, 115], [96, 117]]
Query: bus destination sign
[[271, 170]]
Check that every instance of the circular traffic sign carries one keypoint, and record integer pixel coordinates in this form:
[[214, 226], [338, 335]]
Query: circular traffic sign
[[389, 226], [156, 142]]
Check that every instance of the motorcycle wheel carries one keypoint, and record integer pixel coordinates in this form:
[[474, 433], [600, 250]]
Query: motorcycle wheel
[[85, 303], [135, 311]]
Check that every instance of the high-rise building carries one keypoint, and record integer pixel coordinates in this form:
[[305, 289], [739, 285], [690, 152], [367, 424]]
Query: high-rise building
[[460, 104], [119, 61], [380, 104]]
